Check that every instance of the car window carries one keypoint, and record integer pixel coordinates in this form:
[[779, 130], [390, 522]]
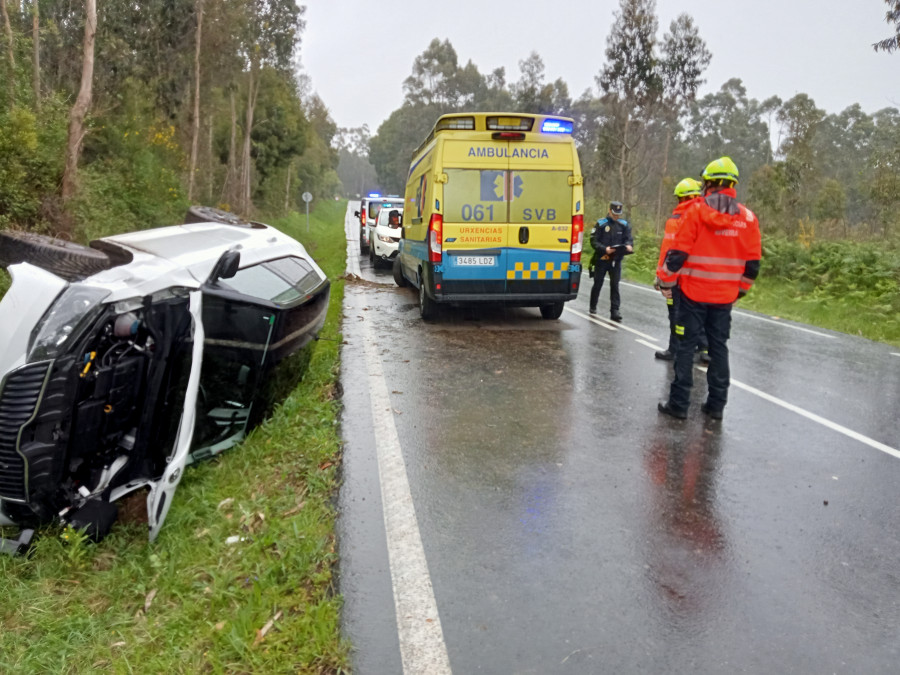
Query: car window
[[280, 281]]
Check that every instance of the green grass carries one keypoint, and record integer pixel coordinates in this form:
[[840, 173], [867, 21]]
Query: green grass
[[190, 602]]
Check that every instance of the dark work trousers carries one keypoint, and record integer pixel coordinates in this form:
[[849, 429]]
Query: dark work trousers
[[614, 267], [694, 317], [672, 305]]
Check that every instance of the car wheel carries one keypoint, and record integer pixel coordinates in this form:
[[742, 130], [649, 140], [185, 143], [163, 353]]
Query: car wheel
[[66, 259], [209, 214], [427, 306], [362, 243], [553, 311], [399, 279]]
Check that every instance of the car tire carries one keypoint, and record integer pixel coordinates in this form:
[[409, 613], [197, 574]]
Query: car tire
[[427, 306], [399, 279], [372, 259], [209, 214], [65, 259], [553, 311], [362, 243]]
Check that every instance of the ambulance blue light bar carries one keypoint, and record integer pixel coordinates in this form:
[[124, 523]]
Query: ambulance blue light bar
[[556, 127], [376, 195]]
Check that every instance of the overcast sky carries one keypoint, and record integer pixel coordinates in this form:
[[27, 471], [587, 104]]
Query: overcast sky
[[358, 52]]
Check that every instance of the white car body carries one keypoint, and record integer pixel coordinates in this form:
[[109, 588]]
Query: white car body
[[164, 277]]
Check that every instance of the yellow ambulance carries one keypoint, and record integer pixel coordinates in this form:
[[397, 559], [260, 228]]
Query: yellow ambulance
[[494, 213]]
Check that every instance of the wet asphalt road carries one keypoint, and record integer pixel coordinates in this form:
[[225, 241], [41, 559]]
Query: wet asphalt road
[[567, 527]]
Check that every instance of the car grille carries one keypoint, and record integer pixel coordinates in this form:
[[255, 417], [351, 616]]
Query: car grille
[[18, 400]]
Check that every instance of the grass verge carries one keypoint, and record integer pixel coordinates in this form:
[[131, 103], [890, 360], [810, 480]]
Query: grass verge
[[192, 601]]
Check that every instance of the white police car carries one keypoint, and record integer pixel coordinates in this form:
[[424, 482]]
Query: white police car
[[123, 362]]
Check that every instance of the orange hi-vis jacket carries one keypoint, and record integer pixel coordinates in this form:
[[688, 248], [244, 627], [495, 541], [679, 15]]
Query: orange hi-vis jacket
[[716, 252], [672, 223]]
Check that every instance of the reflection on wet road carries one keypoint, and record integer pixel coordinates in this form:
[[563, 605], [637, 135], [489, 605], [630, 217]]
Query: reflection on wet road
[[568, 528]]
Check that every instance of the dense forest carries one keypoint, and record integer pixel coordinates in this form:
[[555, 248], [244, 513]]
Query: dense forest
[[805, 172], [118, 116]]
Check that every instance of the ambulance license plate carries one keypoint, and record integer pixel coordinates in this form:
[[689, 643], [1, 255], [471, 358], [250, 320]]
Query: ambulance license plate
[[475, 260]]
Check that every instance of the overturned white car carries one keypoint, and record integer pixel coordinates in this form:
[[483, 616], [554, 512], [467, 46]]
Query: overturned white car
[[122, 362]]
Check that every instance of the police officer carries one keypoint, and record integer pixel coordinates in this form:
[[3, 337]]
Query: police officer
[[686, 192], [714, 260], [611, 239]]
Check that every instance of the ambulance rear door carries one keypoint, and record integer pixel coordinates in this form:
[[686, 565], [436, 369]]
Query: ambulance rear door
[[540, 216], [475, 216]]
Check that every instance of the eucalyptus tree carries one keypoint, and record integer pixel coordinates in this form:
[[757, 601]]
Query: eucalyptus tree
[[531, 93], [631, 87], [892, 16], [685, 58]]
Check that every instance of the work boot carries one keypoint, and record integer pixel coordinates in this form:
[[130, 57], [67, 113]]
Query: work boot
[[615, 316], [666, 409], [592, 310], [665, 355], [704, 356], [712, 413]]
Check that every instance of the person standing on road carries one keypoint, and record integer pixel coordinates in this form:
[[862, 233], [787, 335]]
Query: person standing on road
[[611, 239], [714, 260], [686, 192]]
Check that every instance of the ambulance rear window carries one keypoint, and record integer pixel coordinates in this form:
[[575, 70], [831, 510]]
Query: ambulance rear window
[[498, 196]]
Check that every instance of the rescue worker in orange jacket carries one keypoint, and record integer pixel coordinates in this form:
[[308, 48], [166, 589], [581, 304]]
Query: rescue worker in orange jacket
[[714, 260], [686, 192]]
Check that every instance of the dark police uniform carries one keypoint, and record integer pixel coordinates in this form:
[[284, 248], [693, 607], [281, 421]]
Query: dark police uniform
[[609, 232]]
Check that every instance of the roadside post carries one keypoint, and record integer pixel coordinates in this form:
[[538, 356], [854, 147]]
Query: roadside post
[[307, 197]]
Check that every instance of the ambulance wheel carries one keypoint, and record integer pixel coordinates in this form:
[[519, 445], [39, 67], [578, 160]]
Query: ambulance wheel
[[553, 311], [65, 259], [399, 279], [427, 306]]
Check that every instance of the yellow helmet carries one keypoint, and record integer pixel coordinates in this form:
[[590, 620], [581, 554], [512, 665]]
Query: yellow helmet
[[721, 169], [689, 187]]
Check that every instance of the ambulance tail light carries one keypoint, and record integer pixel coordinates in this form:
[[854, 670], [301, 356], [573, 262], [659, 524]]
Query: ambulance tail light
[[362, 217], [577, 238], [435, 238]]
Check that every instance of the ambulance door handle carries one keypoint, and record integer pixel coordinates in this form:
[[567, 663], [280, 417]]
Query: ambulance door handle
[[523, 235]]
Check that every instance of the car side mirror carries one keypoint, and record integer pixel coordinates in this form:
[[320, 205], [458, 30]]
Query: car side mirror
[[226, 266]]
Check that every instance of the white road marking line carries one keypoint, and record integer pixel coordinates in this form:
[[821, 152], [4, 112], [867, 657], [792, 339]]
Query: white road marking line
[[647, 344], [742, 313], [422, 647], [834, 426], [590, 318], [611, 325], [782, 323], [895, 353]]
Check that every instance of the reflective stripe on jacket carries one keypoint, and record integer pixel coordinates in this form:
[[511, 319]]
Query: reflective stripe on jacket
[[719, 242], [668, 279]]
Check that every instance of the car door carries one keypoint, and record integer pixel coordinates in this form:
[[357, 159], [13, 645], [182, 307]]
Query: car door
[[159, 499]]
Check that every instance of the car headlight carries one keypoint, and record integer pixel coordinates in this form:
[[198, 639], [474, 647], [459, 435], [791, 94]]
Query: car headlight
[[386, 240], [72, 311]]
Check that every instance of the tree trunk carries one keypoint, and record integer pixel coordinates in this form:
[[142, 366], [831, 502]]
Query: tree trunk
[[82, 103], [662, 178], [623, 162], [195, 126], [36, 59], [229, 190], [246, 167], [10, 52], [209, 162], [287, 190]]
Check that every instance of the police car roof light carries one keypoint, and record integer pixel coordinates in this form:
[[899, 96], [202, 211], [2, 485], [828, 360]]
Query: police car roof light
[[374, 195], [556, 127]]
